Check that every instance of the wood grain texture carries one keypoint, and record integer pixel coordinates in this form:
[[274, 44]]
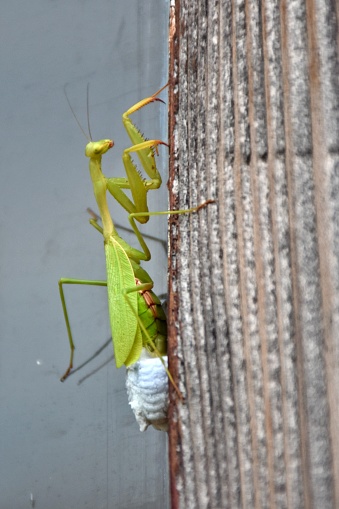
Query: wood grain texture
[[254, 279]]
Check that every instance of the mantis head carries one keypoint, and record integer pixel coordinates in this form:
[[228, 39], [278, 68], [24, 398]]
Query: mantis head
[[98, 148]]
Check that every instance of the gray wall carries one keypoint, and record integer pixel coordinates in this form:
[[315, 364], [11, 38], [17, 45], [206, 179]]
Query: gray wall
[[71, 445]]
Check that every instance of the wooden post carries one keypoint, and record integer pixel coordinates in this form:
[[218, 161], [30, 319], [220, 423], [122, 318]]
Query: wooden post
[[254, 278]]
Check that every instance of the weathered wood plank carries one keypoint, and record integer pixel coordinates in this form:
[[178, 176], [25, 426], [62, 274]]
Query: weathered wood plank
[[254, 279]]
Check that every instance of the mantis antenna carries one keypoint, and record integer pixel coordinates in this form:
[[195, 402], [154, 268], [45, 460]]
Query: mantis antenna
[[88, 124], [88, 138]]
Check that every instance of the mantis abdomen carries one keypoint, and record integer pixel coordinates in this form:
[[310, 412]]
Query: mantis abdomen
[[153, 318]]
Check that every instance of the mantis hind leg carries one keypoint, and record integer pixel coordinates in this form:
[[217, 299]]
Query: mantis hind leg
[[65, 281], [149, 344]]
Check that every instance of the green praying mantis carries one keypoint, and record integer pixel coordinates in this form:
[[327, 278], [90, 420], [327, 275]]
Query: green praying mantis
[[136, 316]]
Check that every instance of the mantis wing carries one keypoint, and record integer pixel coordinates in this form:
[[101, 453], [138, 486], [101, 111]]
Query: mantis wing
[[135, 353], [123, 317]]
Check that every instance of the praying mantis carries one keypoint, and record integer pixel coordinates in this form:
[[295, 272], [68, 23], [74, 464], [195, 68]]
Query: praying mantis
[[136, 317]]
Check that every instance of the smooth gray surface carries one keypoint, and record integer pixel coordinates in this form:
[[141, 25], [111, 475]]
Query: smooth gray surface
[[69, 445]]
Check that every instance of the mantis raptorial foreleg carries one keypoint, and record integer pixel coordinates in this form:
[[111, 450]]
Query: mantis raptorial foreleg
[[145, 150]]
